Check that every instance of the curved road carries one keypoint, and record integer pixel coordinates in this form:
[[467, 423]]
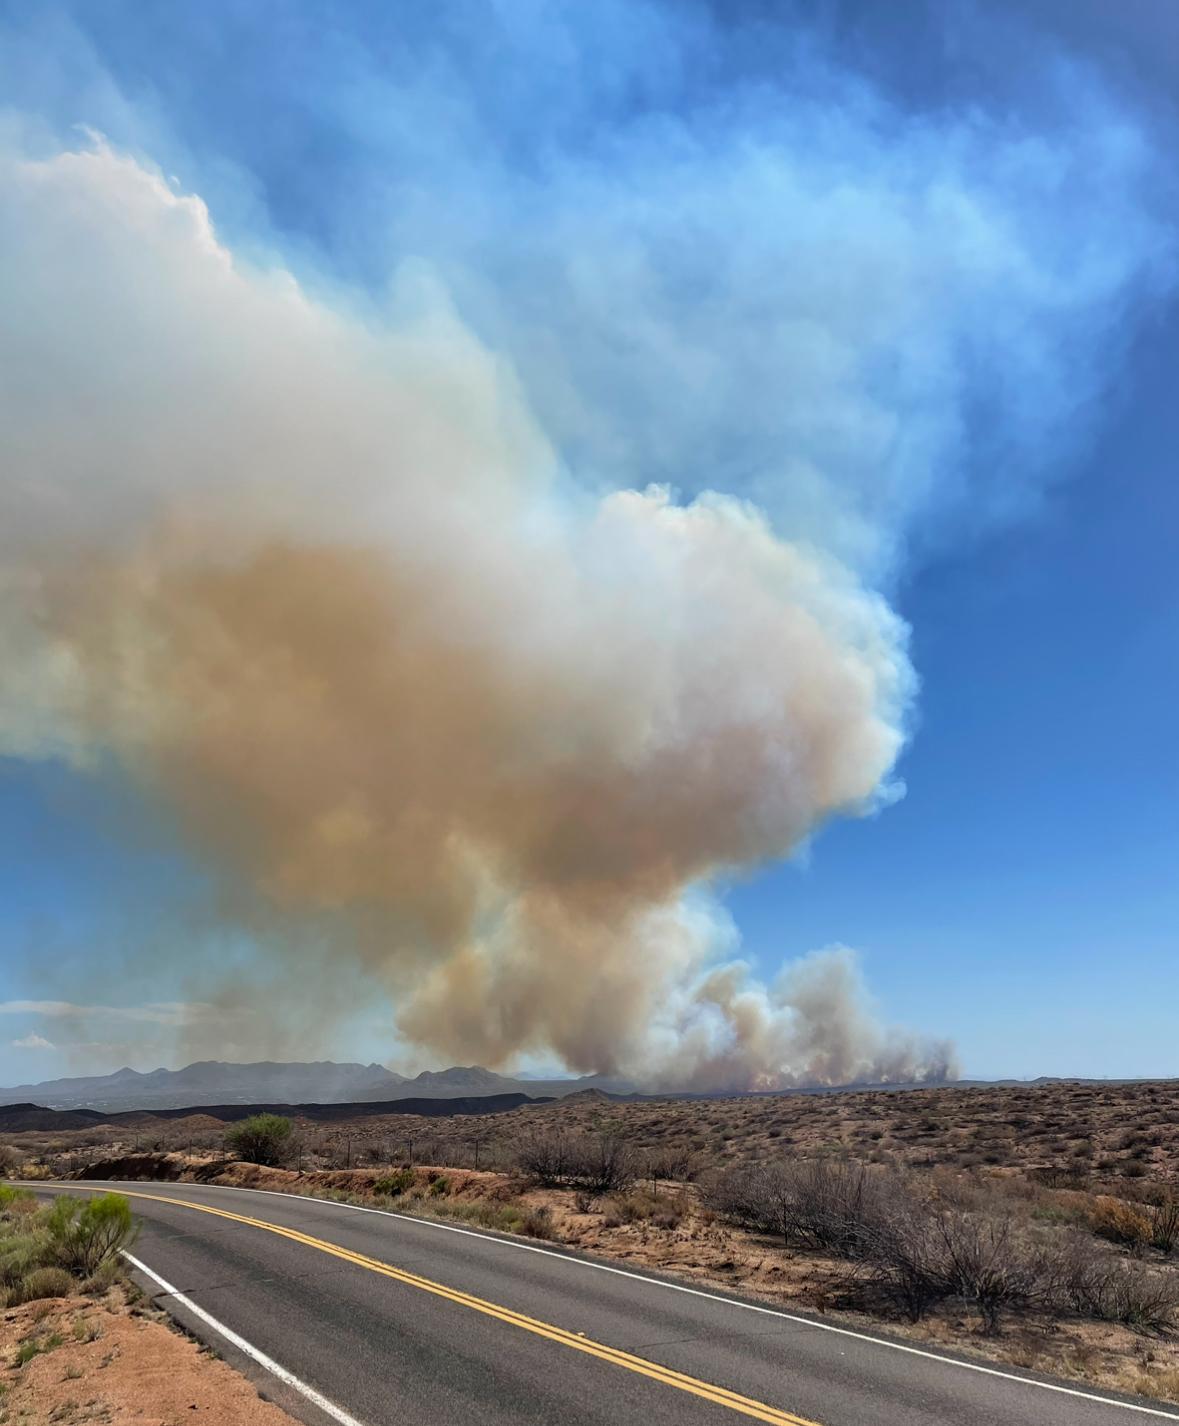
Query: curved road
[[375, 1319]]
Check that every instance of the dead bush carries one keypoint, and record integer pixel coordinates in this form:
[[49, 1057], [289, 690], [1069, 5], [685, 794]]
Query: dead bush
[[1094, 1283], [920, 1251], [631, 1207], [832, 1205], [1079, 1273], [592, 1163], [905, 1258], [1142, 1298], [538, 1223], [987, 1263], [674, 1163], [921, 1243], [837, 1207], [543, 1157], [753, 1196], [43, 1282], [1164, 1224], [601, 1163], [1097, 1284]]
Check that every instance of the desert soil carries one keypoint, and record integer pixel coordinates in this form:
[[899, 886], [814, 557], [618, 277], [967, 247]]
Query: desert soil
[[117, 1363]]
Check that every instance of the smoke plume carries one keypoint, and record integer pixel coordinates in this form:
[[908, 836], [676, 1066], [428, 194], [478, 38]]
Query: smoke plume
[[318, 575], [320, 587]]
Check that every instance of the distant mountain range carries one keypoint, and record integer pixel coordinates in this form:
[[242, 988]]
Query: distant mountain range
[[214, 1082], [320, 1082]]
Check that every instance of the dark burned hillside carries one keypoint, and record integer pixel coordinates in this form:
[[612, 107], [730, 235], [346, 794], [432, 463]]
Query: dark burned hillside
[[344, 1113], [33, 1118]]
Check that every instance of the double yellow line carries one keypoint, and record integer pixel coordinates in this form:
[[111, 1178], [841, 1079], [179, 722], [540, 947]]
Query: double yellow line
[[719, 1395]]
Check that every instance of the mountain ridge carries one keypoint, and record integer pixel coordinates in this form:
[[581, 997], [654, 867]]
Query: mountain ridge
[[291, 1082]]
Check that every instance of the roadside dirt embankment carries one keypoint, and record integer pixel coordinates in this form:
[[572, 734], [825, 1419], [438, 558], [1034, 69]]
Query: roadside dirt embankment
[[74, 1361]]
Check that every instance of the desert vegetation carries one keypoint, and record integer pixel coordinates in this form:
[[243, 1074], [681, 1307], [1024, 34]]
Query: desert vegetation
[[913, 1241], [262, 1139], [1034, 1224], [80, 1344], [65, 1247], [1101, 1137]]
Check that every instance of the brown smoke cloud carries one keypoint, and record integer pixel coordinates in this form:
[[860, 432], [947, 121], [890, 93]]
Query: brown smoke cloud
[[318, 581]]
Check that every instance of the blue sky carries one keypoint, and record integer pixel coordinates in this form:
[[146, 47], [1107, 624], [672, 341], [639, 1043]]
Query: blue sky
[[981, 214]]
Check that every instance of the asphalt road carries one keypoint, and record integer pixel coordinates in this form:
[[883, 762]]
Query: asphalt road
[[395, 1321]]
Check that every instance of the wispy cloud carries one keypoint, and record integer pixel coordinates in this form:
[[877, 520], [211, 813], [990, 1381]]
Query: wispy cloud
[[162, 1012], [33, 1042]]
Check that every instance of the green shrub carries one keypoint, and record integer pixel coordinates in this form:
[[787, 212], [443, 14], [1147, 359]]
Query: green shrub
[[501, 1217], [395, 1184], [262, 1139], [35, 1346], [84, 1236], [20, 1253], [9, 1197]]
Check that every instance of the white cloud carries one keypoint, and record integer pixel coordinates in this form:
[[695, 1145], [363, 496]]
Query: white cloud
[[33, 1041]]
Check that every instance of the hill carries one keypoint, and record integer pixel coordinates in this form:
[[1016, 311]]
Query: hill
[[214, 1081], [295, 1082], [34, 1118]]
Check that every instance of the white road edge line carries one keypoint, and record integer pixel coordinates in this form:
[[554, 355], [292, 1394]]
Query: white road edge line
[[329, 1408], [698, 1292]]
